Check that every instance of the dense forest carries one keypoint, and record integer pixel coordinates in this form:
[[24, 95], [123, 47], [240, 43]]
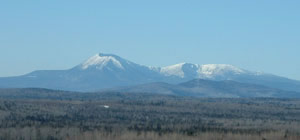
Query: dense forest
[[30, 114]]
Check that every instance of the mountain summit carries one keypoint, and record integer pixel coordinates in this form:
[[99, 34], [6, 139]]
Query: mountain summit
[[100, 61], [108, 70]]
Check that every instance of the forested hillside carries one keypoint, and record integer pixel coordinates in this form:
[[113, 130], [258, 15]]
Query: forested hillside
[[141, 116]]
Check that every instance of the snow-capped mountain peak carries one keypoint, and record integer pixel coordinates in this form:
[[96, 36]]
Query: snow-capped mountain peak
[[99, 61]]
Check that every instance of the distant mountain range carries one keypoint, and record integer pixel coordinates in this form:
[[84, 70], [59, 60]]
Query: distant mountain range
[[107, 71]]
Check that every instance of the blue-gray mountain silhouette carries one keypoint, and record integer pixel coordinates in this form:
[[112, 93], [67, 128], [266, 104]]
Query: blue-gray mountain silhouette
[[108, 71]]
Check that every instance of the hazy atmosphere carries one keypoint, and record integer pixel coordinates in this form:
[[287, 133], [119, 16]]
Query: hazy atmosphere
[[255, 35]]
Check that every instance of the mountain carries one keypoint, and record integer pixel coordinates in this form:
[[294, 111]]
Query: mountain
[[221, 72], [208, 88], [209, 71], [107, 71], [99, 71]]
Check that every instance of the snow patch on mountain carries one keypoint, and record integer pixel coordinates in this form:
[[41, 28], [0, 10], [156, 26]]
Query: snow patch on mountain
[[174, 70], [100, 61], [155, 69], [218, 69], [202, 71]]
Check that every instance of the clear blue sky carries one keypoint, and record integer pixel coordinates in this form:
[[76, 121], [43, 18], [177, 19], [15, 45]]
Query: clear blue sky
[[260, 35]]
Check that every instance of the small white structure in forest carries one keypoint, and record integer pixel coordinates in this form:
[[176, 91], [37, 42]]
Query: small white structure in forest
[[106, 106]]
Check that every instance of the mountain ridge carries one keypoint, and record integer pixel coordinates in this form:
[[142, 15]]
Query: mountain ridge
[[108, 70]]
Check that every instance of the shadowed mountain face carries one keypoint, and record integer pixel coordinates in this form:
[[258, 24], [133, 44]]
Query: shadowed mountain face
[[108, 71]]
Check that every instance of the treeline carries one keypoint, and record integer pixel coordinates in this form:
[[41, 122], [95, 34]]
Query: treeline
[[118, 116]]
